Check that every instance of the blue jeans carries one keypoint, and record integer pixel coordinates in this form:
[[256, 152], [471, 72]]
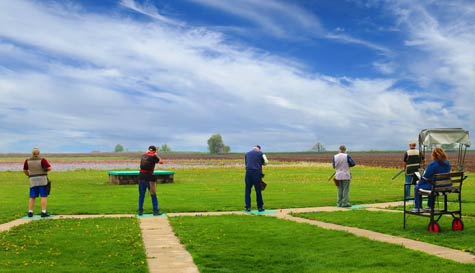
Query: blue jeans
[[143, 187], [418, 198], [253, 179], [407, 186]]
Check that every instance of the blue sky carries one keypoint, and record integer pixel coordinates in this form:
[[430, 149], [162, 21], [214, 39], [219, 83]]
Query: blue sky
[[81, 76]]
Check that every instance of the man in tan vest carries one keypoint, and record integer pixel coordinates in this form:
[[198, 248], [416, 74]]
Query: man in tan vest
[[37, 168], [412, 163]]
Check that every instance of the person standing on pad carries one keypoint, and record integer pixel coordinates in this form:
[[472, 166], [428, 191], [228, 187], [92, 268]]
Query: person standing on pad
[[37, 168], [342, 162], [412, 163], [254, 160], [147, 180]]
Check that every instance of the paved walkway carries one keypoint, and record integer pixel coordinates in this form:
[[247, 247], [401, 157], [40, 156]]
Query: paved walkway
[[165, 253]]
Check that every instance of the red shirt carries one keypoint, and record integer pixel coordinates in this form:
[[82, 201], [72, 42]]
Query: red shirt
[[154, 160]]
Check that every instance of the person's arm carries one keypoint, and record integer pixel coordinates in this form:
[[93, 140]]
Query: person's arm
[[160, 160], [25, 168], [265, 159], [405, 161], [333, 162], [45, 165], [351, 162], [428, 173]]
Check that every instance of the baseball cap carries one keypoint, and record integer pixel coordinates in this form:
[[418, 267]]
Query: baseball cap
[[152, 148]]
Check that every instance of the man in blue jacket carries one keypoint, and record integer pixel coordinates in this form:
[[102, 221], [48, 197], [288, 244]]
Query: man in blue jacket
[[254, 160]]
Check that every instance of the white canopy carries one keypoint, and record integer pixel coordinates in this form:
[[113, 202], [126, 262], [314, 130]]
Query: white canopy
[[428, 137]]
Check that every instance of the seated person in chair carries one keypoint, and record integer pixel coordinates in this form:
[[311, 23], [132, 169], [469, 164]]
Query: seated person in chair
[[439, 164]]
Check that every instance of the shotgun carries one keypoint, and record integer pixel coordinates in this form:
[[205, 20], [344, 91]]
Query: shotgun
[[396, 175]]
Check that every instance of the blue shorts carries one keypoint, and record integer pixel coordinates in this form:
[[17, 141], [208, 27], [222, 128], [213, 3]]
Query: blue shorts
[[38, 191]]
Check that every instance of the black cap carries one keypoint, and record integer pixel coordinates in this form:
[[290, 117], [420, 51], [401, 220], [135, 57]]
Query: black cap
[[152, 148]]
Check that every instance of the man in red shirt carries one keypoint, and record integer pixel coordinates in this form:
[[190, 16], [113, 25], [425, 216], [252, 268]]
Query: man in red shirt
[[147, 180], [37, 168]]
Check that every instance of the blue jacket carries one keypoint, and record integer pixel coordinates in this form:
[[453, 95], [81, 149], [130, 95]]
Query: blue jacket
[[254, 160], [435, 167]]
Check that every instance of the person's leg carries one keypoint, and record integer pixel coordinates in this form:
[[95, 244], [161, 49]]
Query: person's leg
[[153, 195], [407, 187], [256, 181], [31, 204], [44, 197], [430, 201], [143, 185], [345, 201], [339, 194], [44, 201], [417, 197], [247, 191]]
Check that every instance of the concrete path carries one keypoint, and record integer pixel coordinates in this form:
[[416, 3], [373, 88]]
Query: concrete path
[[165, 253]]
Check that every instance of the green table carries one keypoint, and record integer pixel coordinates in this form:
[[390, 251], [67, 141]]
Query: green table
[[132, 177]]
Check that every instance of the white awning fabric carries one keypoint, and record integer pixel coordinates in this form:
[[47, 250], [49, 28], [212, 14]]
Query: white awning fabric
[[428, 137]]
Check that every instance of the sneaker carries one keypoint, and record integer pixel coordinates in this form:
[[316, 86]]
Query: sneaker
[[140, 212], [346, 206], [261, 209], [45, 214], [427, 209], [157, 213], [30, 214], [415, 210], [247, 209]]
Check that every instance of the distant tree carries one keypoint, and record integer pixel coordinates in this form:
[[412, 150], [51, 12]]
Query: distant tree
[[118, 148], [216, 145], [165, 148], [318, 147]]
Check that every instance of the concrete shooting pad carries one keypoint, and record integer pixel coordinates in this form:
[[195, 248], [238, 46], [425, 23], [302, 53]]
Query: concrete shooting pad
[[265, 212], [151, 215], [132, 177]]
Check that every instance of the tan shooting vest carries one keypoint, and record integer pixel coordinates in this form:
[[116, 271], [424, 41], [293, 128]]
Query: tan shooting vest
[[38, 176]]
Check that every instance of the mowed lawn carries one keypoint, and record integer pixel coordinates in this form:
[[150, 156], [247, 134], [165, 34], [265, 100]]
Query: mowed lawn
[[256, 241], [207, 189]]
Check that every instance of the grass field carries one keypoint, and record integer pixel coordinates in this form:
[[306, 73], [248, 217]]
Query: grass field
[[261, 244], [222, 189], [206, 189], [74, 245], [392, 223]]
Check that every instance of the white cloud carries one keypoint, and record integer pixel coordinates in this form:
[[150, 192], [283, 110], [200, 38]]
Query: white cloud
[[91, 81]]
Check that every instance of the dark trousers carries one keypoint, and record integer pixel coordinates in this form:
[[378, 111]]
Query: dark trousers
[[253, 179], [143, 187]]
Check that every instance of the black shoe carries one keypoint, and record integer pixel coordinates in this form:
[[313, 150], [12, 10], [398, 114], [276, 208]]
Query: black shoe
[[45, 214], [261, 209], [157, 213], [140, 212], [30, 214], [247, 209]]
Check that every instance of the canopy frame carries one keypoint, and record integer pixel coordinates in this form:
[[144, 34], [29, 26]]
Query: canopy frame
[[430, 138]]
